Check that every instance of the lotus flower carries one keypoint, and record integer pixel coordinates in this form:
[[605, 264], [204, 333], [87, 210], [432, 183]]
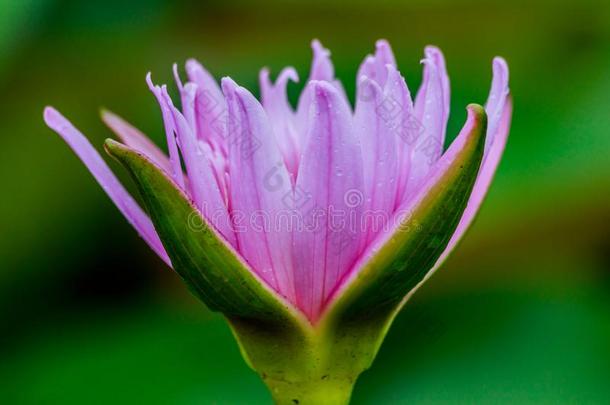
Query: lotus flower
[[307, 227]]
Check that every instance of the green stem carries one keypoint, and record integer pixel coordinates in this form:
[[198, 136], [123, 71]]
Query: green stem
[[323, 391]]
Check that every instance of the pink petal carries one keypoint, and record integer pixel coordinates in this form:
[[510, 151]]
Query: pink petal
[[219, 164], [496, 101], [321, 69], [260, 184], [135, 139], [367, 68], [211, 148], [406, 128], [210, 106], [205, 189], [187, 100], [384, 54], [374, 67], [383, 57], [174, 156], [329, 183], [104, 176], [432, 111], [375, 122], [499, 110], [275, 101]]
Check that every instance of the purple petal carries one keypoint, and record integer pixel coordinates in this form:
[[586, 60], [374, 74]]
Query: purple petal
[[204, 186], [212, 150], [405, 128], [499, 110], [383, 57], [135, 139], [375, 122], [275, 101], [210, 106], [219, 165], [322, 69], [367, 68], [104, 176], [496, 102], [374, 67], [259, 185], [329, 187], [432, 112], [174, 156]]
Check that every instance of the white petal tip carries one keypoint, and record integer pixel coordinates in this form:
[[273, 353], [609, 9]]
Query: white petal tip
[[177, 76], [382, 43], [319, 49], [431, 50], [191, 66], [500, 65], [228, 86], [288, 73], [53, 118]]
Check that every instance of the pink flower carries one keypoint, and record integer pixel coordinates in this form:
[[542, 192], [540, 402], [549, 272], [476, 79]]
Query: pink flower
[[305, 196]]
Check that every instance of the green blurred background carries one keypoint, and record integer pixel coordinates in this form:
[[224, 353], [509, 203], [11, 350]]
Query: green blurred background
[[519, 314]]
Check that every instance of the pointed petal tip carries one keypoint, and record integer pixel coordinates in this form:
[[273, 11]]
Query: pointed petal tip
[[177, 76], [476, 112], [384, 52], [318, 48], [104, 112], [228, 85], [265, 72], [365, 81], [55, 120], [322, 87], [114, 147], [233, 90], [435, 55], [500, 67], [190, 88], [120, 151], [432, 50], [48, 114], [500, 62], [149, 81], [382, 43], [108, 117], [476, 122], [288, 73], [192, 63], [192, 66], [391, 69]]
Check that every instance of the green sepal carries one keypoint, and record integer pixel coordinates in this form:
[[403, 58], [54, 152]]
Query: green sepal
[[368, 303], [205, 262]]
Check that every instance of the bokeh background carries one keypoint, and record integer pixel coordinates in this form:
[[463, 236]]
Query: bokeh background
[[519, 314]]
